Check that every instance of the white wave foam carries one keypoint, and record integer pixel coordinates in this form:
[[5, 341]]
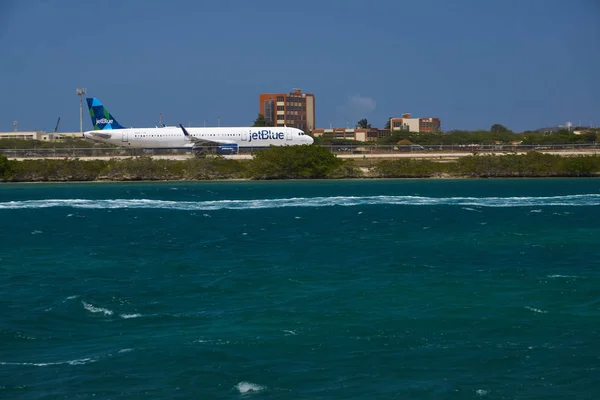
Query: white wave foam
[[128, 316], [79, 361], [571, 200], [562, 276], [481, 392], [537, 310], [92, 308], [62, 302], [23, 336], [248, 387], [125, 350]]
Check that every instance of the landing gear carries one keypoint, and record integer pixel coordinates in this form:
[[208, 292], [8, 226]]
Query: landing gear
[[203, 151], [200, 152]]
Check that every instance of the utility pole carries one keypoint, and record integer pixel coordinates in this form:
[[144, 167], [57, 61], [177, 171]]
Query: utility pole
[[160, 123], [16, 125], [80, 92]]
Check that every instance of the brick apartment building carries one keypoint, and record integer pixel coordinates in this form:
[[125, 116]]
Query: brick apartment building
[[295, 109]]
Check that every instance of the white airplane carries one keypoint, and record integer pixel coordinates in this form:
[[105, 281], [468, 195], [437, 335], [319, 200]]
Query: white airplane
[[226, 140]]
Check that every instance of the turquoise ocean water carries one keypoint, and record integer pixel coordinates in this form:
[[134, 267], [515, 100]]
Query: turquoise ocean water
[[400, 289]]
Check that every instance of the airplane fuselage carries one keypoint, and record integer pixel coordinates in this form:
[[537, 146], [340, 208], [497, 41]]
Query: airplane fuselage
[[174, 137]]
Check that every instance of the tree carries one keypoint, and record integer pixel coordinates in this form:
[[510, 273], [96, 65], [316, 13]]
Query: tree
[[5, 167], [364, 124], [497, 128], [260, 121]]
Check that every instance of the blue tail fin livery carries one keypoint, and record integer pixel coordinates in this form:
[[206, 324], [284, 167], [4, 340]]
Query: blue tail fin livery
[[101, 118]]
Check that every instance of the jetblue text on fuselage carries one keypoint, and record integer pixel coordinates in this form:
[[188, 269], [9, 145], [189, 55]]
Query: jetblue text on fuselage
[[103, 121], [266, 134]]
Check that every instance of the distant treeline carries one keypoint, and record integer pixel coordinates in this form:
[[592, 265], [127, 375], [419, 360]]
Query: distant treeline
[[474, 137], [294, 162]]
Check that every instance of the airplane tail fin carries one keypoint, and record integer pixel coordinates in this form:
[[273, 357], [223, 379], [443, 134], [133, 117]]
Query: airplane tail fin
[[101, 118]]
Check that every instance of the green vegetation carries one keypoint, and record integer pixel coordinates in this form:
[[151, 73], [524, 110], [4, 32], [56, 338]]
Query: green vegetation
[[531, 164], [559, 137], [498, 134], [128, 169], [363, 124], [497, 128], [408, 168], [6, 168], [260, 121], [49, 170], [295, 162]]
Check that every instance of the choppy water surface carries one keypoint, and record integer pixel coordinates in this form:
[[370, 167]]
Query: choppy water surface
[[412, 289]]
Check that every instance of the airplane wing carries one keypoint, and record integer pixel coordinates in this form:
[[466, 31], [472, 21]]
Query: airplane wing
[[202, 141]]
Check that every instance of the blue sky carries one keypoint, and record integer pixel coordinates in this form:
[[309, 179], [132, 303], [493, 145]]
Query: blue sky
[[522, 63]]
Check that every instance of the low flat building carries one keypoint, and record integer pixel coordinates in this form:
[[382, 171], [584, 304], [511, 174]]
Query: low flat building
[[39, 135], [360, 134], [24, 135], [418, 125]]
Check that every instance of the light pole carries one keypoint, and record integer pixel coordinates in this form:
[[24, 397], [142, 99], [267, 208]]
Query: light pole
[[80, 92]]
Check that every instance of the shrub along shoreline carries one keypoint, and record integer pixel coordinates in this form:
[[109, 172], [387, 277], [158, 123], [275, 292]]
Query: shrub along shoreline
[[295, 162]]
